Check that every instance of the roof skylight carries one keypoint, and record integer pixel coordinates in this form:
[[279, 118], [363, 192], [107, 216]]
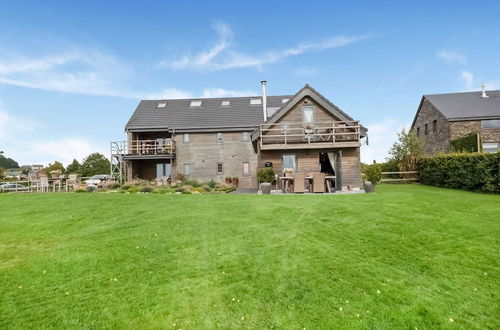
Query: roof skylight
[[225, 103], [255, 101], [284, 100], [195, 103], [162, 105]]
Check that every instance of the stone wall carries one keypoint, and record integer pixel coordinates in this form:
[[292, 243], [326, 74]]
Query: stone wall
[[461, 128], [437, 140]]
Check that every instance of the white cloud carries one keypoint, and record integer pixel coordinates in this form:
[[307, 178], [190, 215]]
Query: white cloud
[[222, 57], [381, 136], [451, 56], [472, 83]]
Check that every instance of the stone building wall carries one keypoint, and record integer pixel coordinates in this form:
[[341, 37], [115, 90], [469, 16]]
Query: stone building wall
[[436, 139]]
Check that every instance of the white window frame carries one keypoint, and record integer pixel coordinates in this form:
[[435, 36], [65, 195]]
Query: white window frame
[[225, 103], [491, 147], [256, 101], [185, 138], [162, 105], [195, 103], [221, 166], [221, 139], [245, 136], [188, 167], [296, 161], [243, 169], [313, 118]]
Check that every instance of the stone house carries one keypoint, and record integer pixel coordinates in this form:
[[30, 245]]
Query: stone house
[[442, 118], [212, 138]]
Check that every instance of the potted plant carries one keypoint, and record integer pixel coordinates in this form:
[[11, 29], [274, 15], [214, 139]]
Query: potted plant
[[228, 180], [371, 176], [266, 177], [235, 181], [288, 171]]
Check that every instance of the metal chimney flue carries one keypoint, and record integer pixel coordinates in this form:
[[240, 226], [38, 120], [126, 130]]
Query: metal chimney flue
[[483, 91], [264, 99]]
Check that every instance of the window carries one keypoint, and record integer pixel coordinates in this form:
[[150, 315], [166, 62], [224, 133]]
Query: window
[[195, 103], [219, 136], [246, 136], [185, 138], [290, 161], [186, 169], [161, 105], [491, 146], [434, 125], [163, 170], [418, 131], [256, 101], [220, 168], [284, 100], [225, 103], [308, 114], [492, 123], [246, 168], [425, 129]]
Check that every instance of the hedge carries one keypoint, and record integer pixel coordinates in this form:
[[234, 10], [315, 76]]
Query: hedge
[[467, 143], [478, 171]]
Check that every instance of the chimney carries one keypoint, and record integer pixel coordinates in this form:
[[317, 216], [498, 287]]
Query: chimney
[[264, 99], [483, 91]]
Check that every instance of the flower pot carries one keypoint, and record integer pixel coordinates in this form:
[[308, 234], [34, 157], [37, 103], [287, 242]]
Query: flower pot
[[369, 187], [265, 187]]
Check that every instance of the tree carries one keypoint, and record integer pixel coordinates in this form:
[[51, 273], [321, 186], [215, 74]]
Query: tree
[[8, 162], [57, 166], [74, 167], [406, 150], [95, 164], [2, 172]]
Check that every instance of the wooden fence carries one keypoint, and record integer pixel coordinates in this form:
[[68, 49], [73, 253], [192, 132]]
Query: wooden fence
[[404, 177]]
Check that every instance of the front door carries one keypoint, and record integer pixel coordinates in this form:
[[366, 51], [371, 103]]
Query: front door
[[163, 170]]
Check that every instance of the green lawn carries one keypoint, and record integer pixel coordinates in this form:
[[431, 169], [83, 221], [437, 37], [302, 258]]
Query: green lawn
[[406, 257]]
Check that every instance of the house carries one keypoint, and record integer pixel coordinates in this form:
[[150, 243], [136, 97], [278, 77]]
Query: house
[[443, 118], [212, 138]]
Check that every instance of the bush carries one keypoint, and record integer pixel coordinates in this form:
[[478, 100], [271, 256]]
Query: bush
[[91, 188], [164, 190], [146, 189], [373, 173], [180, 189], [114, 185], [477, 172], [80, 191], [192, 183], [207, 188], [212, 184], [133, 189], [199, 190], [126, 187], [467, 143], [266, 174]]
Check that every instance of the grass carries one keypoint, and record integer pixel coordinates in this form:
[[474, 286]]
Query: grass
[[406, 257]]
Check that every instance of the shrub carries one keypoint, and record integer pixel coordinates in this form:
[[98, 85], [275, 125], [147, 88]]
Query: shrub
[[199, 190], [192, 183], [91, 189], [180, 189], [146, 189], [164, 190], [266, 174], [373, 173], [80, 191], [126, 187], [212, 184], [180, 177], [114, 185], [133, 189], [467, 143], [207, 188], [477, 171]]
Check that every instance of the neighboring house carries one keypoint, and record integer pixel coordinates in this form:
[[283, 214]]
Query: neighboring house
[[14, 173], [442, 118], [213, 138]]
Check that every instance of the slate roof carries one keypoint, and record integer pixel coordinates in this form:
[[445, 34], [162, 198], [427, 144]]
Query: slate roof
[[468, 105], [211, 114]]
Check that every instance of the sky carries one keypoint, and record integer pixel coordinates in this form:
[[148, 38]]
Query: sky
[[72, 72]]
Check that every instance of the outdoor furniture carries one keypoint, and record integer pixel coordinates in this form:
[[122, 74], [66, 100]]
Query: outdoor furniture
[[318, 183], [43, 184], [299, 183], [72, 182]]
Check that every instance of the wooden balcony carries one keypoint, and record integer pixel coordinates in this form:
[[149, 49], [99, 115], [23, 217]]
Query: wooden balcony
[[144, 149], [319, 135]]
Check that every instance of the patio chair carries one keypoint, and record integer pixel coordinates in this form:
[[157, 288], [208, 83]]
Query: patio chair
[[44, 184], [298, 183], [318, 182]]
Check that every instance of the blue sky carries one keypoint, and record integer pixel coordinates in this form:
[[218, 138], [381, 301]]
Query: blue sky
[[71, 73]]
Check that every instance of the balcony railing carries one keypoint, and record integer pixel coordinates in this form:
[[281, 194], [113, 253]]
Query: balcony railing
[[144, 147], [310, 135]]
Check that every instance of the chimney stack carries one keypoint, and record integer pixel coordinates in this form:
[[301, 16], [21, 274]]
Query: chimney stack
[[264, 99], [483, 91]]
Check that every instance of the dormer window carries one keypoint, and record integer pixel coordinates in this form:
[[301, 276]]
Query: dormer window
[[195, 103], [284, 100], [162, 105], [225, 103], [256, 101]]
